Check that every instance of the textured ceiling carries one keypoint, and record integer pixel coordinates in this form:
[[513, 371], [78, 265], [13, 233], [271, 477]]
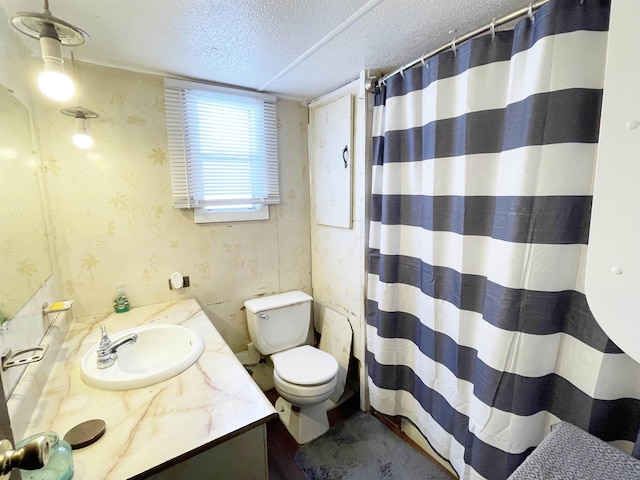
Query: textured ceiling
[[295, 48]]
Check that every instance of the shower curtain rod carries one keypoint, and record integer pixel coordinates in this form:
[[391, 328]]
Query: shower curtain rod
[[478, 31]]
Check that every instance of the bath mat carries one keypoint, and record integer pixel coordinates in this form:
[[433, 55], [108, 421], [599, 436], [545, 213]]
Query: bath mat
[[362, 448]]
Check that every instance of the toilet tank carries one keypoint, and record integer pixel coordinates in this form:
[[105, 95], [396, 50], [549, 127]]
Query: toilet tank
[[279, 322]]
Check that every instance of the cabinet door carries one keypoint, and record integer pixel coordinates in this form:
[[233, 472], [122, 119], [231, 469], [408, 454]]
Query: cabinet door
[[240, 458], [330, 154], [612, 278]]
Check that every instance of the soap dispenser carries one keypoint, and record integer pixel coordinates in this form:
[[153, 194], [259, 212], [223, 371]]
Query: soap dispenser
[[121, 302]]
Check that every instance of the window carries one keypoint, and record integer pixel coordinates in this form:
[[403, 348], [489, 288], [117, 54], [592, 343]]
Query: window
[[223, 152]]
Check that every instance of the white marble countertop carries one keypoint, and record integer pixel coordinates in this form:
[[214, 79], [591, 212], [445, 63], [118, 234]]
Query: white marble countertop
[[148, 428]]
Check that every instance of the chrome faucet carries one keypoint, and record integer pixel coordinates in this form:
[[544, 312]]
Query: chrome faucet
[[108, 350]]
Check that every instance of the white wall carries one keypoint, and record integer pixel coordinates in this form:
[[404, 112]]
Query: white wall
[[14, 62]]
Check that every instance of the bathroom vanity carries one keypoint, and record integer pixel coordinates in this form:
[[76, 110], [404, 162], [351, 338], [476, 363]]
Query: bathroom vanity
[[207, 422]]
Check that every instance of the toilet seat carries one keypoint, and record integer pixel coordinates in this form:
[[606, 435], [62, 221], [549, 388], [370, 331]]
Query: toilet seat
[[304, 394], [305, 366]]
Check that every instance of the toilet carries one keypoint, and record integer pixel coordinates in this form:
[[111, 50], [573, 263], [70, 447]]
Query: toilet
[[304, 376]]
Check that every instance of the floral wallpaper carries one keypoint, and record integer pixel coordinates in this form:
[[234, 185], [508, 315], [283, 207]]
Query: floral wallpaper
[[113, 222]]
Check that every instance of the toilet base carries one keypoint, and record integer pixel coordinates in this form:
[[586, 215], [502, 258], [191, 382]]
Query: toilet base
[[303, 423]]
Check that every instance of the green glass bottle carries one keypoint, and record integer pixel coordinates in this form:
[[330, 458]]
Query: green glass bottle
[[121, 302]]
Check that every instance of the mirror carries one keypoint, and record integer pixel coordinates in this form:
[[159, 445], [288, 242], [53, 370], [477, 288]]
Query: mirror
[[24, 247]]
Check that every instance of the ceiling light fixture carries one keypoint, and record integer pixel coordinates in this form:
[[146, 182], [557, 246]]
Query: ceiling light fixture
[[81, 138], [52, 33]]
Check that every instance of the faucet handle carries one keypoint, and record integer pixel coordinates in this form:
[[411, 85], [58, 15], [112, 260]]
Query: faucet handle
[[32, 456], [105, 341]]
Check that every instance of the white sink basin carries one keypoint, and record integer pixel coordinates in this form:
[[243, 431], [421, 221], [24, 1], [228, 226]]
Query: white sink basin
[[161, 352]]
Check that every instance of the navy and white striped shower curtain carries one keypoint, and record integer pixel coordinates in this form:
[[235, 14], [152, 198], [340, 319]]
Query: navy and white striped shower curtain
[[478, 328]]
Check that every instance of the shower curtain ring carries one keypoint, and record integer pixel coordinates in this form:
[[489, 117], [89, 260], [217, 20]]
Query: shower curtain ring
[[530, 12], [493, 29], [402, 73], [453, 42]]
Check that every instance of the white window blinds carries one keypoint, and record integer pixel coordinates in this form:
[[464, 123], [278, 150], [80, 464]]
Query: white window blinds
[[222, 146]]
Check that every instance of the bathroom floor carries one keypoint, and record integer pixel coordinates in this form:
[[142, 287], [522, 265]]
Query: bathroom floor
[[282, 447]]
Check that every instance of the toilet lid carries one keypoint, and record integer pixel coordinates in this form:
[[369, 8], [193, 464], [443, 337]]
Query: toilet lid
[[305, 365]]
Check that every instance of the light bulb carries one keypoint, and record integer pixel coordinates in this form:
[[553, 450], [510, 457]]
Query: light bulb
[[56, 85], [53, 81], [81, 138]]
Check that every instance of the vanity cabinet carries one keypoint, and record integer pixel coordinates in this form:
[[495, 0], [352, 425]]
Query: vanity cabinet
[[207, 422]]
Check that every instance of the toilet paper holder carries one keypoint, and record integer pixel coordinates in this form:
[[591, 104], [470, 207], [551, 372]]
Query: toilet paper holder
[[178, 281]]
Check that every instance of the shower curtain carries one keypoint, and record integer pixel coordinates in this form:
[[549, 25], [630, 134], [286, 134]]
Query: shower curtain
[[478, 328]]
